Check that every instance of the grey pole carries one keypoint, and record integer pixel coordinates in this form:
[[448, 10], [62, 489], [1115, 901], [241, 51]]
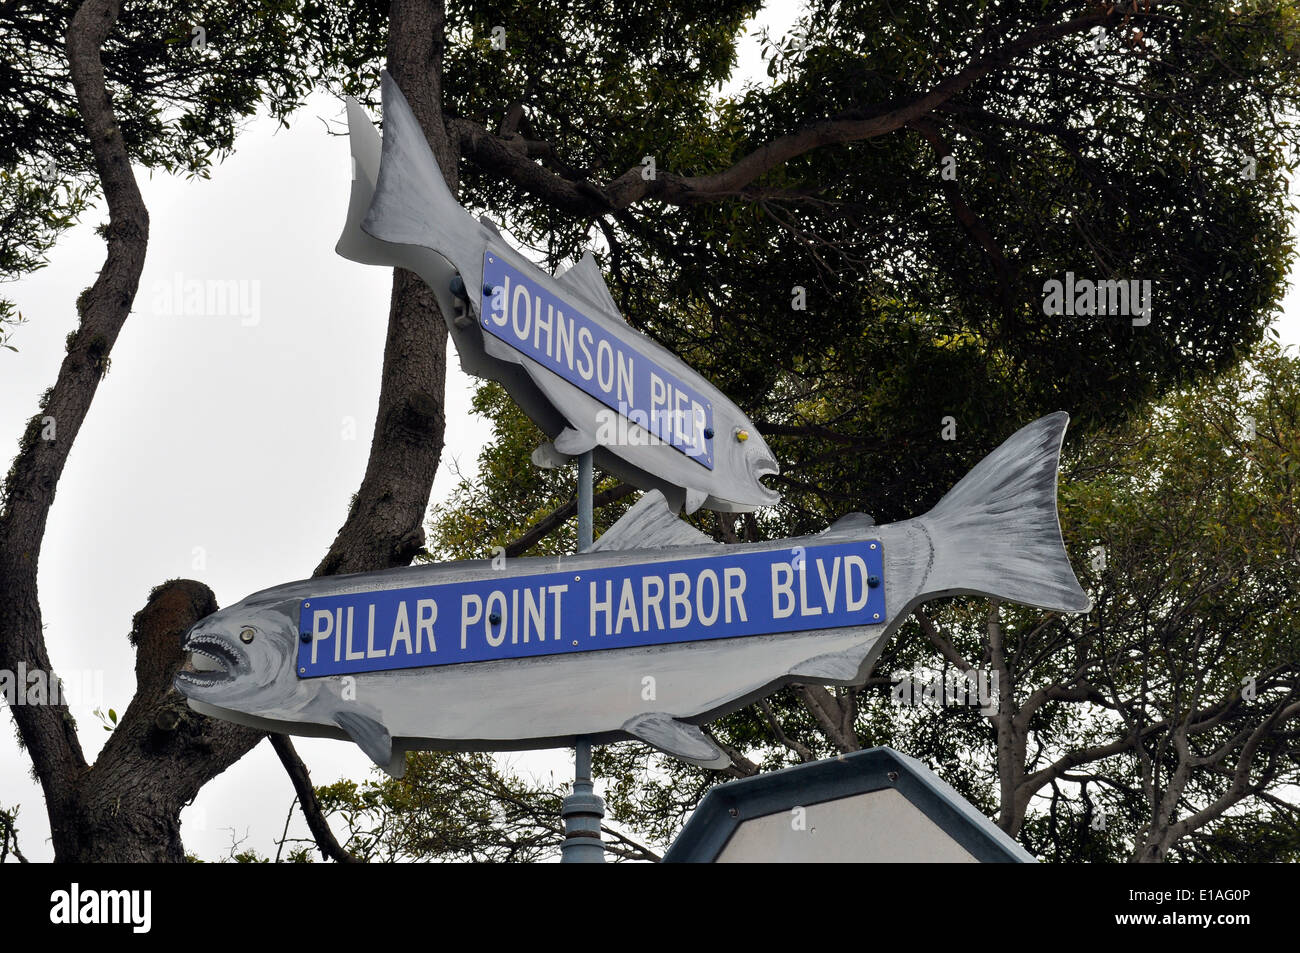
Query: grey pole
[[583, 810], [584, 502]]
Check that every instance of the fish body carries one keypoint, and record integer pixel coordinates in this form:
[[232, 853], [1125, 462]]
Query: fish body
[[447, 669], [558, 343]]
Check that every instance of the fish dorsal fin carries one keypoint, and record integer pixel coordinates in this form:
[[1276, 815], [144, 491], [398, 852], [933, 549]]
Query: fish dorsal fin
[[841, 667], [650, 524], [586, 278], [848, 523]]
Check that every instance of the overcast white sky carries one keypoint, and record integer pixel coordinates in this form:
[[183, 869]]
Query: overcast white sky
[[216, 449]]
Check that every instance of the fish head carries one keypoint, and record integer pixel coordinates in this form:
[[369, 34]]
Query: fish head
[[741, 458], [241, 658], [759, 461]]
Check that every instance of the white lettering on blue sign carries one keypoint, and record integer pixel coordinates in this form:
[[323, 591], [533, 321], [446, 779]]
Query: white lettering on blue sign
[[583, 610], [527, 317]]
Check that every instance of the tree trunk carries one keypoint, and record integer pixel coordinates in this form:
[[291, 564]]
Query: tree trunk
[[385, 525], [48, 731], [127, 807]]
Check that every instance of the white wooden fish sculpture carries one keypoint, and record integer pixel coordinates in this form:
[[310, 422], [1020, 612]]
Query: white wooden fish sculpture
[[558, 343], [653, 632]]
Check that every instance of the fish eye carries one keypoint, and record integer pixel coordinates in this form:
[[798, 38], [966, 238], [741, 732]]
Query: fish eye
[[246, 635]]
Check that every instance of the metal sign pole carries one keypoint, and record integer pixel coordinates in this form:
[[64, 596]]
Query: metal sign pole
[[584, 502], [583, 810]]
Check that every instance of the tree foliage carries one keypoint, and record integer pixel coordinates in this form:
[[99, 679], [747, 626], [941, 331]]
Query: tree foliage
[[182, 78], [1142, 148]]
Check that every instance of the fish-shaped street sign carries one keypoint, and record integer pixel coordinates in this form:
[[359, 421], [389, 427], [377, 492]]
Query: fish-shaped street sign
[[558, 343], [651, 633]]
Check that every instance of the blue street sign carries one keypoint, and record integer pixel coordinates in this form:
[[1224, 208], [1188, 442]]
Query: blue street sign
[[503, 616], [522, 313]]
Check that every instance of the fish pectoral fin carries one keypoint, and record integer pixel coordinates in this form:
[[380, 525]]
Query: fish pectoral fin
[[546, 457], [574, 442], [372, 738], [677, 738], [694, 499], [650, 524]]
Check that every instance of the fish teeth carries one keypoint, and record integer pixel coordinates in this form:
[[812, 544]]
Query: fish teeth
[[209, 655]]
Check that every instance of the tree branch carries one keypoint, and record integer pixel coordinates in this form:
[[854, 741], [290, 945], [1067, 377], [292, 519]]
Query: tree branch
[[823, 706], [1241, 785], [624, 846], [561, 515], [941, 641], [311, 810], [9, 836], [584, 198], [971, 222], [803, 751], [740, 767]]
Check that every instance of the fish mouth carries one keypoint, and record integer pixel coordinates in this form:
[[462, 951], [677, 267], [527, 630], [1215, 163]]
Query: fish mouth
[[212, 661], [766, 466]]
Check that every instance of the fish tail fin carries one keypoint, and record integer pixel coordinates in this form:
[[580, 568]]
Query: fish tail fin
[[364, 144], [411, 203], [996, 533], [400, 208]]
